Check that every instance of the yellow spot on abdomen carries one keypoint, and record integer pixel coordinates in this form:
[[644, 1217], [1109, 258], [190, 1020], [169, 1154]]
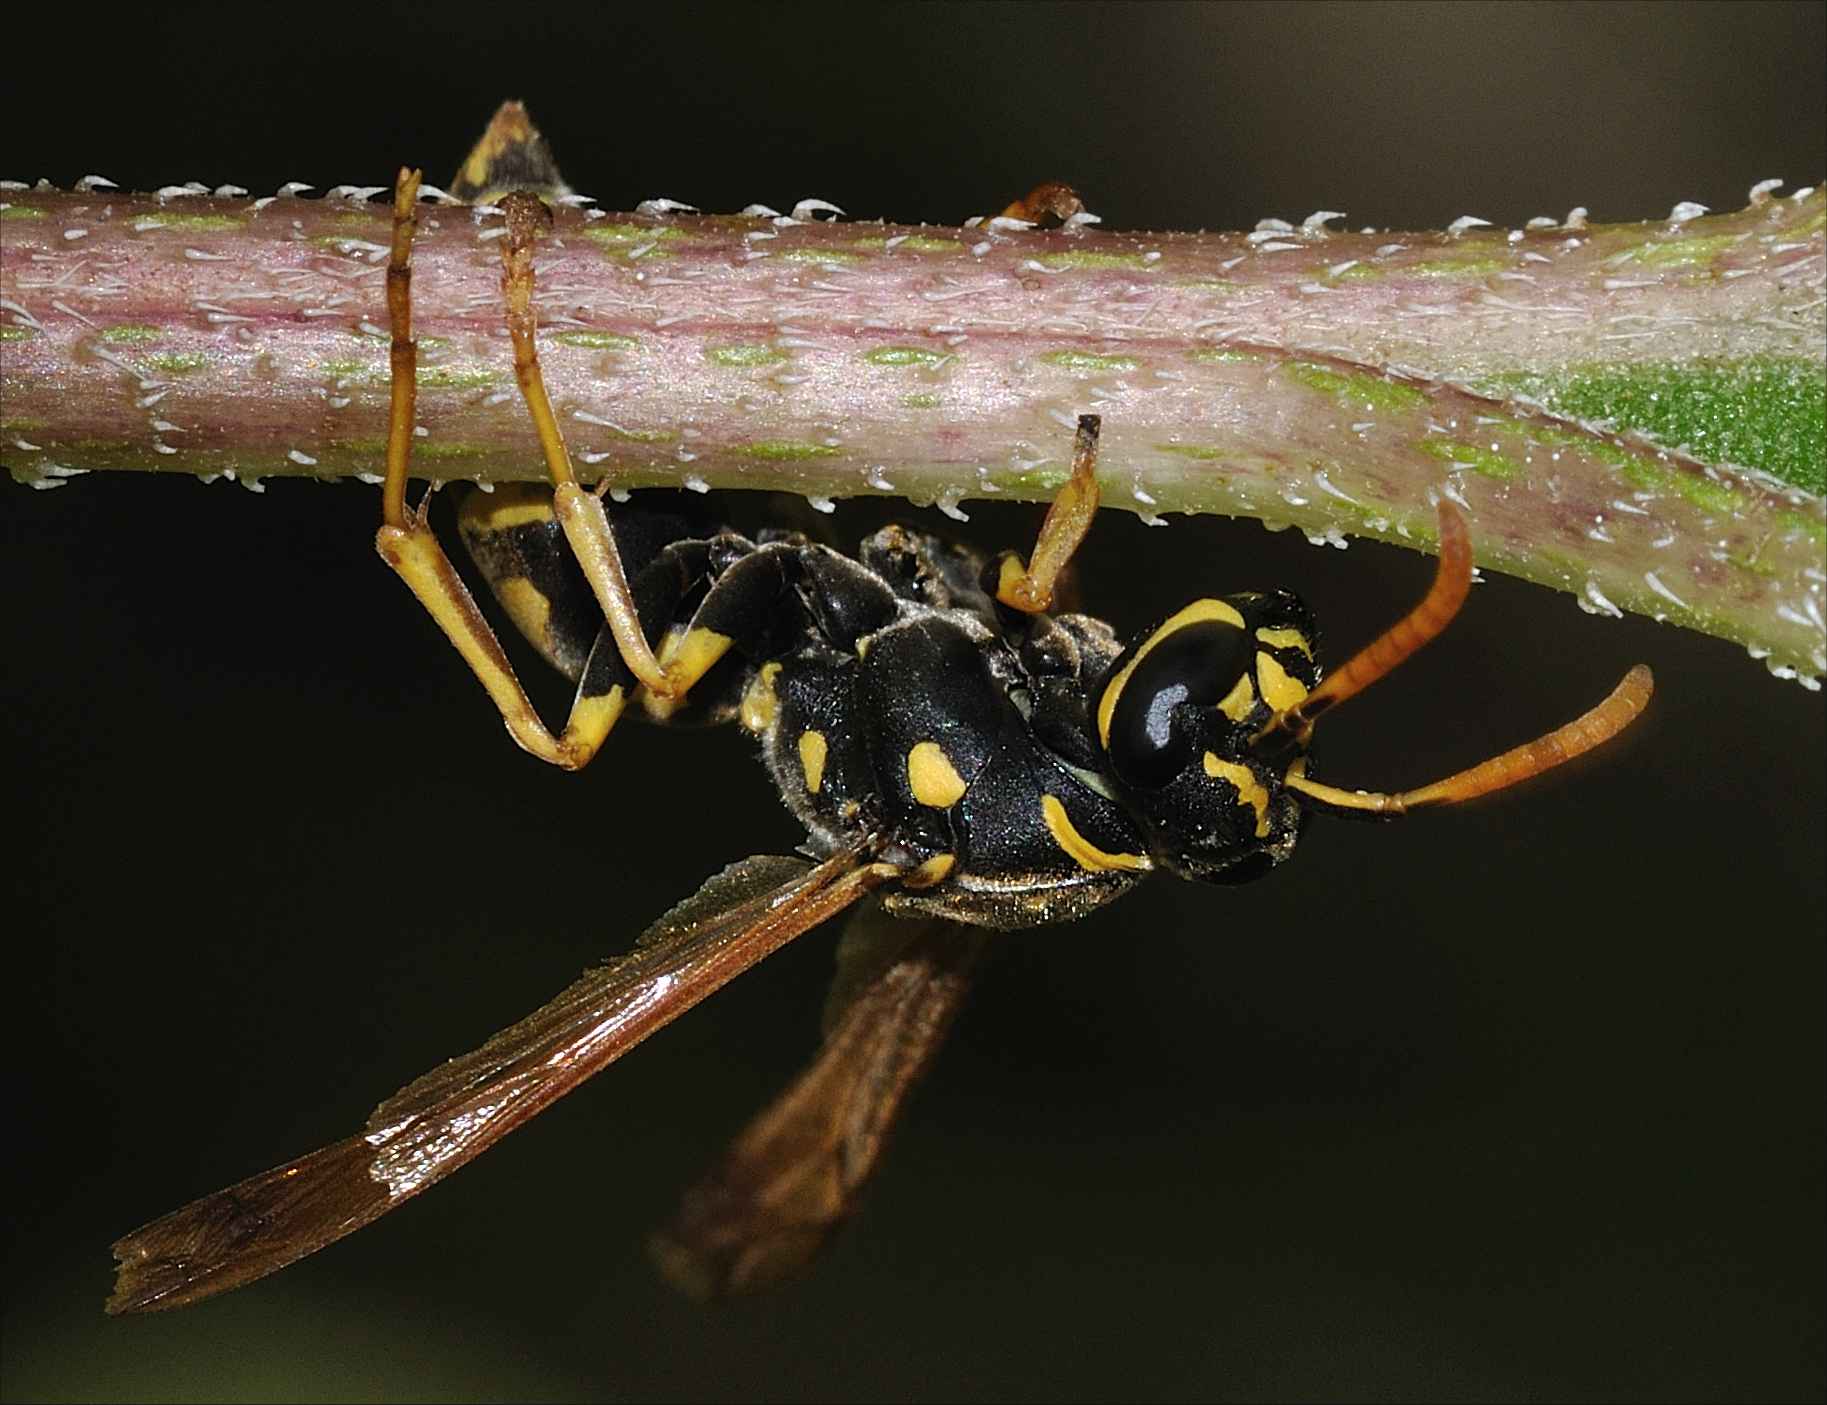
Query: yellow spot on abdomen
[[1249, 790], [760, 705], [1279, 690], [812, 751], [1199, 612], [510, 505], [1080, 849], [933, 778], [935, 870]]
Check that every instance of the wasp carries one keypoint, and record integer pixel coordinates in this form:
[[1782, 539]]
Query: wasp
[[964, 758]]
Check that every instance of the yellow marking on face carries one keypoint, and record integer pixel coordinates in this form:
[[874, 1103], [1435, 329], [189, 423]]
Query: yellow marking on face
[[1286, 639], [1279, 690], [760, 704], [935, 781], [812, 751], [529, 609], [1080, 849], [933, 871], [1250, 791], [1237, 703], [1199, 612]]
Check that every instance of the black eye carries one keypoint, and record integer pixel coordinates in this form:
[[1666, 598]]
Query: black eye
[[1198, 662]]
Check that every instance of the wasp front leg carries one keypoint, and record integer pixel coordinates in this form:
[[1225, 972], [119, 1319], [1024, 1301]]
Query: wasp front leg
[[407, 544], [1029, 587], [1049, 205]]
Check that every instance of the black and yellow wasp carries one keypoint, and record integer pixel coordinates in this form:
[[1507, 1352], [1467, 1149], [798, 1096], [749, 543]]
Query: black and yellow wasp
[[953, 747]]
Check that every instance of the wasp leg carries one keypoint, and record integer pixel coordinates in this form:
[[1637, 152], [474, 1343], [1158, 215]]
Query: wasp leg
[[1029, 588], [405, 541], [580, 513], [403, 356], [514, 538], [1048, 205], [739, 611], [415, 555], [757, 595], [848, 601]]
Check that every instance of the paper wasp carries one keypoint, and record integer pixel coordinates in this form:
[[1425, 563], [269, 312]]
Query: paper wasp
[[962, 757]]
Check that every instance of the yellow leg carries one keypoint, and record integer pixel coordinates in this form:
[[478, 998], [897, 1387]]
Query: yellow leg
[[406, 543], [1029, 588], [1049, 204], [404, 355], [580, 513]]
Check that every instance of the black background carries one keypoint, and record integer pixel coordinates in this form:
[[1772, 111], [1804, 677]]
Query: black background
[[1518, 1102]]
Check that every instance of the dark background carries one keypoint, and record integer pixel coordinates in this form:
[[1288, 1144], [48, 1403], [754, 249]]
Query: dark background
[[1518, 1102]]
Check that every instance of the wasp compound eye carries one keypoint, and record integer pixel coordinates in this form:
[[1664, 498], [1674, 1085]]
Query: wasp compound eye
[[1191, 661]]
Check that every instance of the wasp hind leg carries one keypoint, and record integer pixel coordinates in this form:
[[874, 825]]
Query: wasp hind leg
[[515, 538], [580, 512], [405, 541]]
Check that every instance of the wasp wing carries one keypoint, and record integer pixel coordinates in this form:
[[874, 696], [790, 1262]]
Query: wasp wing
[[796, 1172], [458, 1110]]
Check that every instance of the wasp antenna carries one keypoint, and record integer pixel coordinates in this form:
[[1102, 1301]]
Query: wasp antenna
[[1418, 627], [1593, 728]]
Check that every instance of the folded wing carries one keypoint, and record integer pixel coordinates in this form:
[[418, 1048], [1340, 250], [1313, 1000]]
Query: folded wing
[[458, 1110]]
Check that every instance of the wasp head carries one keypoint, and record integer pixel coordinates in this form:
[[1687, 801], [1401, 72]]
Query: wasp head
[[1177, 715]]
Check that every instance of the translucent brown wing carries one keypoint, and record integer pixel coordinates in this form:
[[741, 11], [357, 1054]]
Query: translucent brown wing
[[458, 1110], [797, 1171]]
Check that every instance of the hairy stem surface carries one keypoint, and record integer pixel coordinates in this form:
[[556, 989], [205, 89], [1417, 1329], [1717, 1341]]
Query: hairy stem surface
[[1632, 413]]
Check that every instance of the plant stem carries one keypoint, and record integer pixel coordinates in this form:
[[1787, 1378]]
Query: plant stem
[[1633, 413]]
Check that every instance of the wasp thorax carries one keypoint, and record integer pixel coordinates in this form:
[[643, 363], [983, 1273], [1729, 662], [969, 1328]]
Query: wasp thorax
[[1175, 716]]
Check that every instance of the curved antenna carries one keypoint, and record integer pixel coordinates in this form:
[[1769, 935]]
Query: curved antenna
[[1418, 627], [1593, 728]]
